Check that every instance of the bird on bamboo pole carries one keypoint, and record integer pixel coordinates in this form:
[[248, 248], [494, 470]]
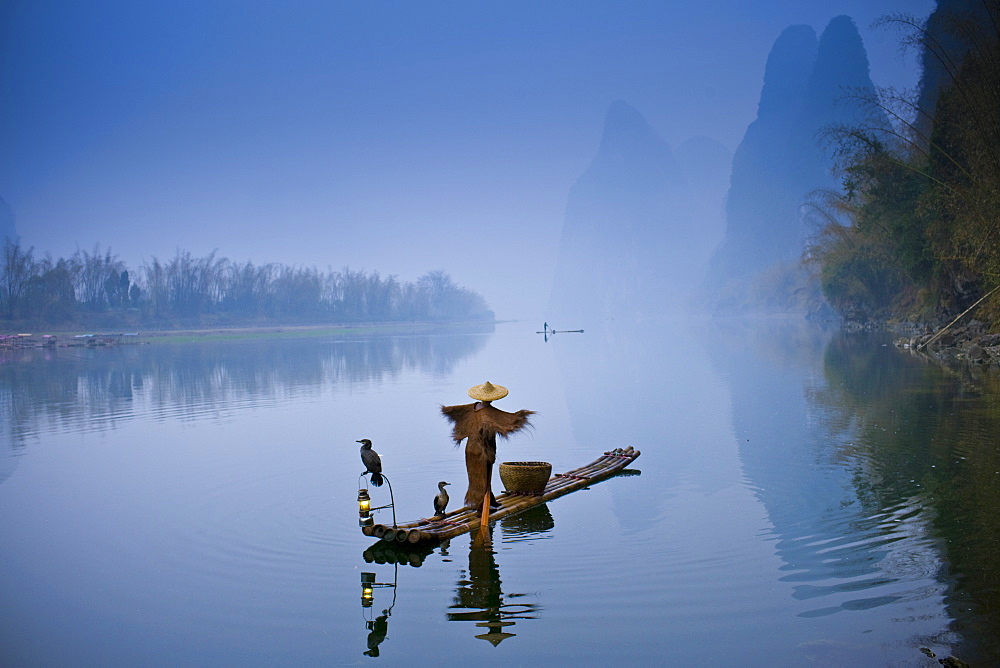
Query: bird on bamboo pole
[[480, 424], [441, 500], [372, 462]]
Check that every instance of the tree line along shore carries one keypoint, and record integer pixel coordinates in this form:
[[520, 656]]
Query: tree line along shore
[[913, 238], [96, 290]]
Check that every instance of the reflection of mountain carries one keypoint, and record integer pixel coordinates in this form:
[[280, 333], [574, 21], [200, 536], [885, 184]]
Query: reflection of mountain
[[928, 437], [99, 386], [840, 551], [622, 383], [479, 598], [788, 462]]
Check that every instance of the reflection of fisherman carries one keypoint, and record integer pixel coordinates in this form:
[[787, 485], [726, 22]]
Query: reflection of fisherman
[[481, 423], [479, 598]]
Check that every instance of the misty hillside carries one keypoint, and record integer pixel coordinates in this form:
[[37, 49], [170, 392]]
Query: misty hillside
[[640, 222], [808, 88], [767, 184], [643, 229]]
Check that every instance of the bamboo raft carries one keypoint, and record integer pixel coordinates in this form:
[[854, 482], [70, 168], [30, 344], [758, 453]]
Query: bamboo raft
[[455, 523]]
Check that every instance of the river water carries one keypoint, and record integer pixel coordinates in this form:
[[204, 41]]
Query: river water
[[803, 497]]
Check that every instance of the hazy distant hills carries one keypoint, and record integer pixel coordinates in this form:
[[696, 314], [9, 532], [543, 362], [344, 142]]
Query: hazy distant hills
[[643, 221], [640, 222], [808, 87]]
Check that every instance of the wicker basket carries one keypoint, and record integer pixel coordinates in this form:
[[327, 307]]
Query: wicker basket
[[525, 477]]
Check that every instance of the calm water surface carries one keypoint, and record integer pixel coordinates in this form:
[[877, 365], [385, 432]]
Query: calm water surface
[[803, 497]]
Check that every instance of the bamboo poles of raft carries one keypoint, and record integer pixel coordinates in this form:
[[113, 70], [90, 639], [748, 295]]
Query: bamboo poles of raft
[[463, 520]]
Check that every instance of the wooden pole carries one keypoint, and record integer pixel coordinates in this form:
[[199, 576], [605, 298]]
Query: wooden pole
[[943, 329], [484, 521]]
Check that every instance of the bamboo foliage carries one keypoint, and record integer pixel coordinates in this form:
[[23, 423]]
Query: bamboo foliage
[[919, 232]]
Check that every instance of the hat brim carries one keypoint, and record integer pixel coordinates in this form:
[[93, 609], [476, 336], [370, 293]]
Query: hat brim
[[492, 393]]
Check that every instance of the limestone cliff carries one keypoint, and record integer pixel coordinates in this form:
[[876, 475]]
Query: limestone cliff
[[640, 223], [810, 86]]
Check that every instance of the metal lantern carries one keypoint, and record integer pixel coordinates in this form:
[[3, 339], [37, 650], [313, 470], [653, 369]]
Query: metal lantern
[[367, 589], [364, 508]]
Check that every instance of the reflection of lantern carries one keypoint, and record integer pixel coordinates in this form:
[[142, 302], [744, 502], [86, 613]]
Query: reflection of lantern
[[367, 589], [376, 625], [364, 509]]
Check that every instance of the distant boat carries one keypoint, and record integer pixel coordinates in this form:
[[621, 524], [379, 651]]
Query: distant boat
[[546, 331]]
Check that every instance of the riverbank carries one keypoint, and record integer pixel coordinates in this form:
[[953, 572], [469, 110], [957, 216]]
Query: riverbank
[[968, 343], [78, 338]]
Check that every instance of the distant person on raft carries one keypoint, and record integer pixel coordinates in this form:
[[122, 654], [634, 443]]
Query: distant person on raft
[[480, 423]]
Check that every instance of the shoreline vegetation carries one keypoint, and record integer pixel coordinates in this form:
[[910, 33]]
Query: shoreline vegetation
[[96, 291], [78, 338], [912, 243]]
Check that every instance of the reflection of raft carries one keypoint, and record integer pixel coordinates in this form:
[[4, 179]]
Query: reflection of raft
[[455, 523]]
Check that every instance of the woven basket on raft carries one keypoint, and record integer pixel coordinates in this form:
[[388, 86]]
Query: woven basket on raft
[[525, 477]]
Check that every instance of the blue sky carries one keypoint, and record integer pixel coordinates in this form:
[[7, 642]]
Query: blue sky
[[392, 136]]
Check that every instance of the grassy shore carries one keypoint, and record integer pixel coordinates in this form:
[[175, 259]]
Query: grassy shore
[[268, 332], [257, 332]]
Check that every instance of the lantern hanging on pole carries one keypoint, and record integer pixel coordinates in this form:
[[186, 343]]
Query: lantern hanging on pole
[[365, 518]]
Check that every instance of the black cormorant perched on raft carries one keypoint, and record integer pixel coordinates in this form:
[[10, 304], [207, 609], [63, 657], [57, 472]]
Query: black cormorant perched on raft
[[372, 462], [441, 500]]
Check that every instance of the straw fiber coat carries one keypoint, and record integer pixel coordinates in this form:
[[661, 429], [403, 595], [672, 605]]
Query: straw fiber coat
[[481, 428]]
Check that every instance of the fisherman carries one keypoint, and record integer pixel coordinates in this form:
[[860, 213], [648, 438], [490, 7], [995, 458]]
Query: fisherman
[[480, 423]]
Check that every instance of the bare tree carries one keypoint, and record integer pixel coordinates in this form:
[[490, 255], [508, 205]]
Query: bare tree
[[15, 274]]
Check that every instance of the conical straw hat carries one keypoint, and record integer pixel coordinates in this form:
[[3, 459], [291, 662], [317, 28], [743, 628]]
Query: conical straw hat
[[488, 392]]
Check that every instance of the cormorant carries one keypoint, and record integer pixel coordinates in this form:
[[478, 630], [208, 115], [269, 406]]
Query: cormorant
[[372, 462], [377, 632], [441, 500]]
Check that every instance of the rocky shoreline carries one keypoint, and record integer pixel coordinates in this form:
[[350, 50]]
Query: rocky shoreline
[[969, 343]]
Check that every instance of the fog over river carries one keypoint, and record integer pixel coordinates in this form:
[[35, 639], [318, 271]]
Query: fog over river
[[803, 496]]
